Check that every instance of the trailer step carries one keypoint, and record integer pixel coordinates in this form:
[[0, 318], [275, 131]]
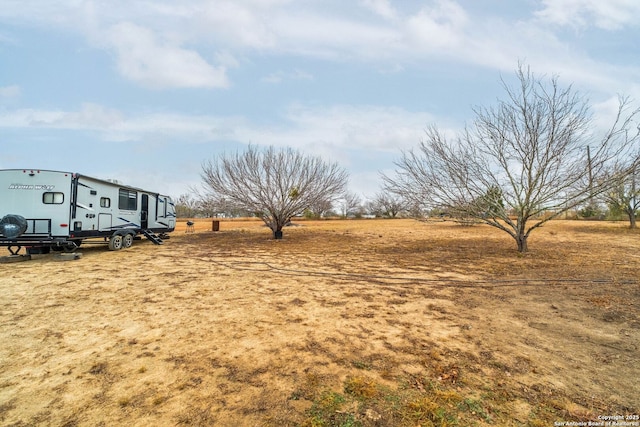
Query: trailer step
[[153, 237]]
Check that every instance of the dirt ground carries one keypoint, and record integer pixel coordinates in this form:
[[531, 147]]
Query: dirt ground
[[341, 323]]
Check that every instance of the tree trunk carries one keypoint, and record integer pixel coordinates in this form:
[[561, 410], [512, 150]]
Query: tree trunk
[[277, 229], [522, 244], [632, 219], [521, 237]]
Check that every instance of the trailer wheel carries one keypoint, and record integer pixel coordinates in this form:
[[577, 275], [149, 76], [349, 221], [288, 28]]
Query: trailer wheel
[[115, 242], [127, 240]]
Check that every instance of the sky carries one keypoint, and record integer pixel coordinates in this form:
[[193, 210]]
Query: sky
[[144, 91]]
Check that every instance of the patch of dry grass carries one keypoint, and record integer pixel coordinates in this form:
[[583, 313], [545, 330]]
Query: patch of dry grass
[[372, 322]]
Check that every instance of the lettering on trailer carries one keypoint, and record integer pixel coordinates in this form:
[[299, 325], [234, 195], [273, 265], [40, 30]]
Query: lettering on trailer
[[46, 187]]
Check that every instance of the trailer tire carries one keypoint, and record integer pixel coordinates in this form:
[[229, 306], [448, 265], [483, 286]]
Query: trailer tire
[[127, 240], [115, 242]]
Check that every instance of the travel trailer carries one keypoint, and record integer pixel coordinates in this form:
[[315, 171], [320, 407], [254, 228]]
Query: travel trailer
[[42, 210]]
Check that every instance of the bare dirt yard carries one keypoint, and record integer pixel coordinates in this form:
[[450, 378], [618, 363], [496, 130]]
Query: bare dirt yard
[[341, 323]]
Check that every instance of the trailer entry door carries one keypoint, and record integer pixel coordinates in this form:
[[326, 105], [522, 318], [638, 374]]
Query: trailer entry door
[[144, 212]]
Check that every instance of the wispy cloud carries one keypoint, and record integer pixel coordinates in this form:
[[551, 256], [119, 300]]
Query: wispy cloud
[[382, 8], [12, 91], [440, 27], [88, 117], [280, 76], [608, 15], [342, 126]]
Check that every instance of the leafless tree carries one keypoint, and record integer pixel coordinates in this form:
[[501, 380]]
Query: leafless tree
[[320, 208], [389, 204], [275, 184], [523, 162], [186, 206], [624, 197], [350, 204]]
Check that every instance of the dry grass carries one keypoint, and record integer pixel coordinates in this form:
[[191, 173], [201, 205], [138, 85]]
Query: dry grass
[[390, 322]]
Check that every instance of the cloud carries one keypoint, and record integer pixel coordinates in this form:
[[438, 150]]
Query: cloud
[[280, 76], [237, 23], [331, 131], [113, 125], [193, 43], [12, 91], [348, 127], [439, 27], [339, 128], [382, 8], [89, 117], [607, 15], [316, 35], [227, 59], [92, 116], [141, 57]]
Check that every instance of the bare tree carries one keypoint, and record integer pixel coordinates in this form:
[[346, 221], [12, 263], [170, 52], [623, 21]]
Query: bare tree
[[274, 184], [389, 204], [186, 206], [350, 204], [624, 197], [220, 207], [522, 162], [320, 208]]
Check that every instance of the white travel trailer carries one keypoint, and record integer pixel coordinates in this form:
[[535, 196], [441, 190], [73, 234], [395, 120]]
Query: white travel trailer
[[42, 210]]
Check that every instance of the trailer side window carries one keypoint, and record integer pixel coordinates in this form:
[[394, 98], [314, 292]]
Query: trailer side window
[[128, 200], [50, 198], [105, 202]]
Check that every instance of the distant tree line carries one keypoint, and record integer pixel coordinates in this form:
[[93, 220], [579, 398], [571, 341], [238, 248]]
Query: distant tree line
[[348, 205], [618, 205]]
